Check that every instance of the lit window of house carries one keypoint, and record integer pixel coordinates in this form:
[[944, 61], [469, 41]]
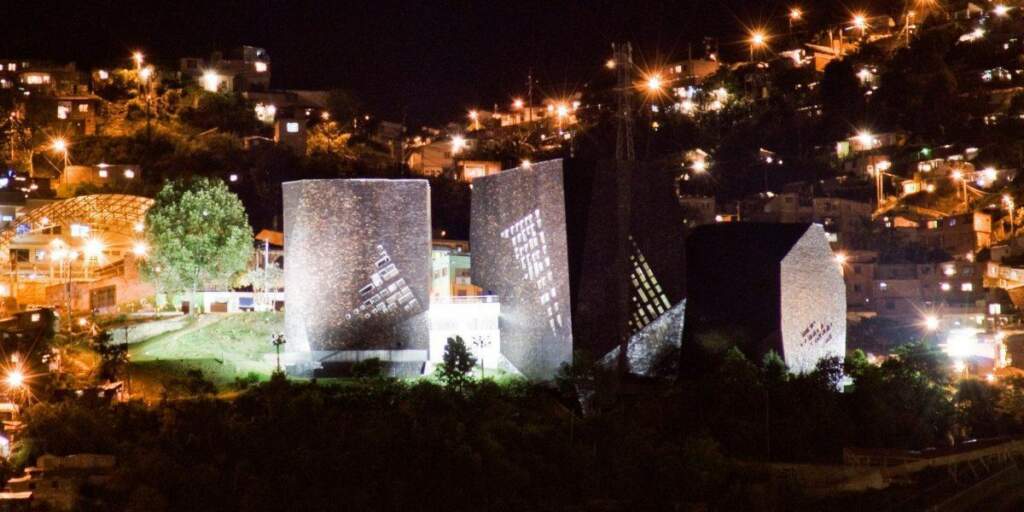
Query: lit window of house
[[261, 67], [949, 270], [37, 79], [967, 287], [83, 107], [945, 287], [292, 127], [62, 111], [103, 173], [883, 285]]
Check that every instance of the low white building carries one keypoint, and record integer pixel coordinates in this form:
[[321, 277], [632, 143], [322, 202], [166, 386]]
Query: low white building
[[475, 319]]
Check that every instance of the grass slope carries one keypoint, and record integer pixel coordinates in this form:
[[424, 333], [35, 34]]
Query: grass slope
[[222, 346]]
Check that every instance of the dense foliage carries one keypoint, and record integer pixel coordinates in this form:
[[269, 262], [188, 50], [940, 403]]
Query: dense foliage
[[596, 441], [198, 235]]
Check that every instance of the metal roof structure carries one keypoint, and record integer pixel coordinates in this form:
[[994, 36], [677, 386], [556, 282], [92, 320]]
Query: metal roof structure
[[113, 213]]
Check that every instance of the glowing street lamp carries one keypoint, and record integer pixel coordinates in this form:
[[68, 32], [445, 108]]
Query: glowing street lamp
[[458, 144], [14, 379], [860, 22], [1000, 10], [958, 175], [93, 248], [211, 80], [758, 40], [517, 103], [866, 139], [137, 58], [139, 249], [655, 83], [610, 64], [145, 73], [699, 166], [931, 323], [795, 14], [59, 145], [842, 258], [474, 116]]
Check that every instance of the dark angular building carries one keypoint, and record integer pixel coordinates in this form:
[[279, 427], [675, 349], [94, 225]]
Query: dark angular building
[[357, 264], [582, 255], [763, 287]]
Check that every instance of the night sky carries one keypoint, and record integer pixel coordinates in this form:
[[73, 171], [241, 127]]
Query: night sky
[[424, 62]]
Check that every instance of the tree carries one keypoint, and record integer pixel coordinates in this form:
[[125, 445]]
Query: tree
[[977, 403], [223, 111], [198, 234], [328, 138], [586, 382], [841, 97], [262, 280], [458, 362], [926, 360], [113, 356]]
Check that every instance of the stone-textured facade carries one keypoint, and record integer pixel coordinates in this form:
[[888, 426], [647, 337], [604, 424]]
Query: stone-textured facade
[[518, 236], [357, 264], [813, 314], [589, 249], [761, 288], [650, 345]]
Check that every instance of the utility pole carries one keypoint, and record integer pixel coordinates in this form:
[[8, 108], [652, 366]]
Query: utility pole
[[529, 96], [879, 190], [266, 266], [623, 59], [127, 364]]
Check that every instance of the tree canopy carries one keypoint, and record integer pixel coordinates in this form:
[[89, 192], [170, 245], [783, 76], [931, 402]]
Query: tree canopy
[[198, 235]]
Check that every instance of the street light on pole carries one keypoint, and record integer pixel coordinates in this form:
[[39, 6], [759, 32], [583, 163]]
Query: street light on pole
[[860, 22], [60, 145], [278, 340], [145, 88], [64, 258], [795, 15], [758, 40], [654, 83]]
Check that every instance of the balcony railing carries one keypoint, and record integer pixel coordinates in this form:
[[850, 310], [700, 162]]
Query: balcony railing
[[466, 299]]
